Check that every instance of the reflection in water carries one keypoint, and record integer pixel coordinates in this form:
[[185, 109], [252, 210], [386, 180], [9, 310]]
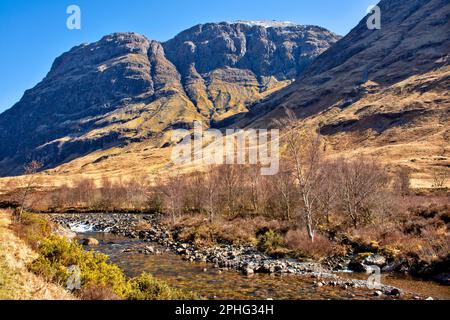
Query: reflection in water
[[214, 284]]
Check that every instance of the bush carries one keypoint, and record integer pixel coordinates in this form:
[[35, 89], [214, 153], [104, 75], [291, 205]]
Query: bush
[[58, 254], [299, 241], [146, 287], [270, 241], [100, 280], [98, 293]]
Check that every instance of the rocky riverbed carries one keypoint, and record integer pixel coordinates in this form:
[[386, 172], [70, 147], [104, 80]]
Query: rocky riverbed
[[156, 240]]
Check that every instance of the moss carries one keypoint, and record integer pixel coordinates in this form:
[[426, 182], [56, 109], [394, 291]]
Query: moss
[[390, 252], [364, 255]]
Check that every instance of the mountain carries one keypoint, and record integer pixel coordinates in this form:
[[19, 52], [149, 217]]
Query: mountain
[[127, 89], [109, 107], [379, 92], [217, 61]]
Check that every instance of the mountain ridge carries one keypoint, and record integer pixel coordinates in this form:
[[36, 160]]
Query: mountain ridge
[[126, 88]]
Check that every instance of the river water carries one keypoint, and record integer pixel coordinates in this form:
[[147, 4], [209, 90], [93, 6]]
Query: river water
[[212, 283]]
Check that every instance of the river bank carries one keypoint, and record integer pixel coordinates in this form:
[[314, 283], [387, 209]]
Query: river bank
[[16, 281], [155, 240]]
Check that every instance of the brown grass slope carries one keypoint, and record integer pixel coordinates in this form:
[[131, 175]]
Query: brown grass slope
[[16, 281]]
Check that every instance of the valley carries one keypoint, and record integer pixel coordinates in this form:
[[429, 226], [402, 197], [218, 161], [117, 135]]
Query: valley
[[361, 147]]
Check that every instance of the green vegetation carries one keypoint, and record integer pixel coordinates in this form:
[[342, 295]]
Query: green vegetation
[[146, 287], [57, 255], [270, 241]]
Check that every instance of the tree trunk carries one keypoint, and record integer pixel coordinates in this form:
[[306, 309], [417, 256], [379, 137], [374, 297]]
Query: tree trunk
[[310, 228]]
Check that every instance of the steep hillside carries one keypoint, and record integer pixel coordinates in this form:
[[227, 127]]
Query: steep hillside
[[126, 88], [380, 92], [16, 280]]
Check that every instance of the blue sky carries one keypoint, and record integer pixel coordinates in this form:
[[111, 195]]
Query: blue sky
[[34, 33]]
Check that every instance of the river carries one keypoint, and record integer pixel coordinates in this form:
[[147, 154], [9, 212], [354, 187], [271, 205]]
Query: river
[[213, 283]]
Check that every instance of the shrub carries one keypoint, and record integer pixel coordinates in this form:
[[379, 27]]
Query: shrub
[[146, 287], [58, 254], [98, 293], [299, 241], [32, 228], [100, 280], [270, 241]]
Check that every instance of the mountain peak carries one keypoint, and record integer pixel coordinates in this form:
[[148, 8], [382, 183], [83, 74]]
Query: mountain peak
[[265, 23]]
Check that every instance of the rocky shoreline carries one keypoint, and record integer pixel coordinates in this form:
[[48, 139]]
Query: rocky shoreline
[[245, 259]]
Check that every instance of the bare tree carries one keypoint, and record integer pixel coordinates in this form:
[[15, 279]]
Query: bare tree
[[106, 193], [61, 197], [136, 191], [84, 191], [444, 144], [173, 191], [283, 186], [304, 151], [195, 191], [327, 192], [255, 187], [230, 186], [211, 194], [440, 176], [360, 184], [31, 182]]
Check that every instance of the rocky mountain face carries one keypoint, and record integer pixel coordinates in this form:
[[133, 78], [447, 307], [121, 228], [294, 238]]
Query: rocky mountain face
[[217, 61], [413, 39], [379, 92], [126, 88]]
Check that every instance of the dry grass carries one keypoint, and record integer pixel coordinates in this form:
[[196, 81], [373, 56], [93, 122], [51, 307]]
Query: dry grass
[[197, 229], [16, 282], [98, 293]]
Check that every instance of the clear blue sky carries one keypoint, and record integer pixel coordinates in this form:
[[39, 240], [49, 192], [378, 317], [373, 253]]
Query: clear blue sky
[[34, 33]]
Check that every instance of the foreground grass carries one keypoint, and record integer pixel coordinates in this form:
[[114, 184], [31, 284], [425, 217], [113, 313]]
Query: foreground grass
[[16, 281]]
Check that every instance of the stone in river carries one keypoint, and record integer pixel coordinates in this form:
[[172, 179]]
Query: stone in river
[[92, 242]]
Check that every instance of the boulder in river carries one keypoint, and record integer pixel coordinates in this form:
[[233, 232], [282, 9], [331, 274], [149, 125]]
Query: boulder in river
[[366, 262], [375, 260], [92, 242], [394, 292]]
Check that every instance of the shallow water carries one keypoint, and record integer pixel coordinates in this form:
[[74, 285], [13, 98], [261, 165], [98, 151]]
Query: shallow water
[[410, 284], [211, 283]]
